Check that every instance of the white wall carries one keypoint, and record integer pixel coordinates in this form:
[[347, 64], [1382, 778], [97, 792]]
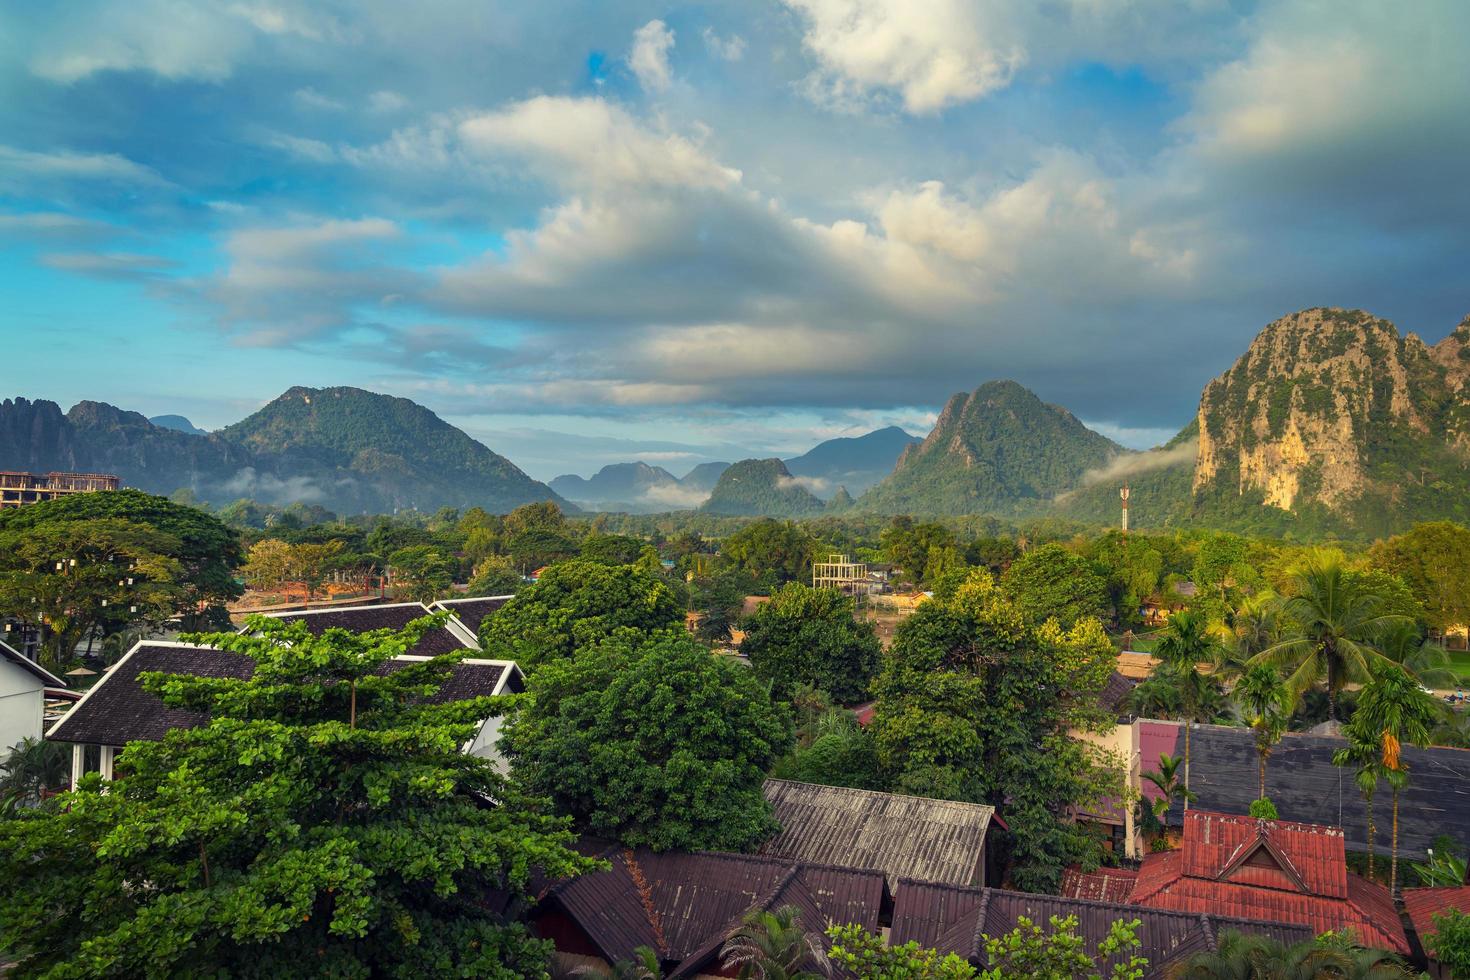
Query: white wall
[[22, 701]]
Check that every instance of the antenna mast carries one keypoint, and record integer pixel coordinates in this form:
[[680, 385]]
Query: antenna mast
[[1124, 494]]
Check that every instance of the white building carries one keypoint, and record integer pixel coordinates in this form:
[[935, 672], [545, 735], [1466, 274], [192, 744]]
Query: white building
[[23, 686]]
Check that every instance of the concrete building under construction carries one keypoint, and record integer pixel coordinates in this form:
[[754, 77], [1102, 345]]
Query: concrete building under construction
[[20, 489]]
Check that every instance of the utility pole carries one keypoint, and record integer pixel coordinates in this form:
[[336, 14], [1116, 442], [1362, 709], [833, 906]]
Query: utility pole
[[1124, 494]]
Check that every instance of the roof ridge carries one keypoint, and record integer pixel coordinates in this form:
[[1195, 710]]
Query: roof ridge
[[878, 792], [645, 898], [981, 910]]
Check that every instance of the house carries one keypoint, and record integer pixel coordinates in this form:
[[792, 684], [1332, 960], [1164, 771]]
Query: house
[[1305, 786], [117, 710], [453, 635], [23, 694], [685, 906], [471, 612], [1268, 869], [1422, 905], [901, 836], [957, 919]]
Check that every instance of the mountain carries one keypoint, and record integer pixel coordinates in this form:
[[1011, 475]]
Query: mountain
[[995, 449], [343, 448], [704, 476], [854, 462], [763, 487], [633, 487], [178, 423], [1332, 419]]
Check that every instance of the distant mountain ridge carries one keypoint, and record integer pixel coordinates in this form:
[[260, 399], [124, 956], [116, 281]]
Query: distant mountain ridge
[[178, 423], [855, 462], [344, 448], [761, 488]]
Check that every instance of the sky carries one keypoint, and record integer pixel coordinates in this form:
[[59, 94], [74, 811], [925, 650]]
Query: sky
[[602, 231]]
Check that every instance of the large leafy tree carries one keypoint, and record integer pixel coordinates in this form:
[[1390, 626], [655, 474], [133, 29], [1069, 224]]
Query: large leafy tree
[[1051, 582], [575, 604], [323, 821], [422, 573], [207, 551], [79, 577], [1434, 560], [1393, 710], [809, 636], [772, 551], [652, 740], [1331, 632], [976, 703]]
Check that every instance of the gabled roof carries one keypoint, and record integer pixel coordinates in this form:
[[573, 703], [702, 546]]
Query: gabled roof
[[1102, 885], [902, 836], [1268, 869], [1305, 786], [686, 905], [116, 710], [454, 635], [471, 612], [47, 679], [1423, 904], [957, 920]]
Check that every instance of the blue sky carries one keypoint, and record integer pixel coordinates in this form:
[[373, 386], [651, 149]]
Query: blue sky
[[605, 231]]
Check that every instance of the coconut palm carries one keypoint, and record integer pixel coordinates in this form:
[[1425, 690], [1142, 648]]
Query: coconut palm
[[1393, 710], [1243, 957], [1256, 625], [643, 966], [774, 946], [1428, 663], [1183, 644], [1262, 698], [1332, 627]]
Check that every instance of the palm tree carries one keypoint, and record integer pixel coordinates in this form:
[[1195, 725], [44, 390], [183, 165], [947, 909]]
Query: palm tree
[[1368, 759], [1170, 788], [1426, 662], [32, 767], [773, 946], [643, 966], [1332, 627], [1185, 642], [1256, 625], [1262, 698], [1244, 957], [1393, 710]]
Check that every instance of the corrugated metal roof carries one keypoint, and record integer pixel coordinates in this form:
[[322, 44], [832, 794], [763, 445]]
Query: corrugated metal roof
[[902, 836], [1305, 786], [1268, 870], [1102, 885], [686, 905], [116, 710], [956, 920]]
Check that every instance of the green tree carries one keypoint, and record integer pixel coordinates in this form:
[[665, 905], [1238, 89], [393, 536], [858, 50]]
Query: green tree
[[1264, 704], [772, 551], [1171, 790], [79, 577], [313, 562], [322, 821], [840, 752], [576, 604], [806, 635], [775, 946], [1434, 560], [1393, 710], [539, 546], [1050, 582], [1183, 645], [975, 703], [267, 564], [1366, 758], [494, 576], [1332, 628], [651, 740], [32, 767], [422, 573], [1244, 957], [544, 515], [1450, 941], [613, 549]]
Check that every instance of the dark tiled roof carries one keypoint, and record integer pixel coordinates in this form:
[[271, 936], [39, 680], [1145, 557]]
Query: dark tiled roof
[[1269, 869], [1423, 904], [48, 679], [957, 919], [392, 616], [471, 612], [902, 836], [117, 710], [1305, 786], [1114, 695], [686, 905]]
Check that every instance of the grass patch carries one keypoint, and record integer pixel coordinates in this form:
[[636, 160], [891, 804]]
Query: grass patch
[[1460, 665]]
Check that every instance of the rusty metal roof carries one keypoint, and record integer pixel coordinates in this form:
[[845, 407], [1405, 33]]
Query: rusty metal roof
[[902, 836]]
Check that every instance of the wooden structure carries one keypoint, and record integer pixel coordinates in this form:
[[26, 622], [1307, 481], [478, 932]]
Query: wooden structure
[[19, 489], [842, 574]]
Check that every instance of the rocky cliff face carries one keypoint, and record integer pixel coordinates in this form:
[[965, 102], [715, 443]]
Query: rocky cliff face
[[1334, 408]]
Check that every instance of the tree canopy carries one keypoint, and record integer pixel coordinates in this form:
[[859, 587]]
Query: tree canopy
[[1051, 582], [806, 635]]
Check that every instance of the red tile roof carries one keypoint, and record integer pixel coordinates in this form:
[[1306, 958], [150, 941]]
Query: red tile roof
[[1423, 904], [1269, 869], [1102, 885]]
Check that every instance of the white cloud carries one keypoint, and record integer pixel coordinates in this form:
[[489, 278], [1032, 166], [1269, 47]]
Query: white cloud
[[649, 57], [109, 265], [386, 101], [730, 48], [310, 98], [66, 166]]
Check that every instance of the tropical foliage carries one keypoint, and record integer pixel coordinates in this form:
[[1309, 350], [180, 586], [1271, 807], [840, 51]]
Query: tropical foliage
[[809, 636]]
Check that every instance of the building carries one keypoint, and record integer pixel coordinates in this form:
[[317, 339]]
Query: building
[[1422, 905], [23, 694], [116, 710], [956, 919], [453, 635], [684, 906], [901, 836], [1247, 868], [471, 612], [19, 489]]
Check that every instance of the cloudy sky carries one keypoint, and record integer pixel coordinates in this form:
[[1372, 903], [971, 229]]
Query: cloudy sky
[[602, 231]]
